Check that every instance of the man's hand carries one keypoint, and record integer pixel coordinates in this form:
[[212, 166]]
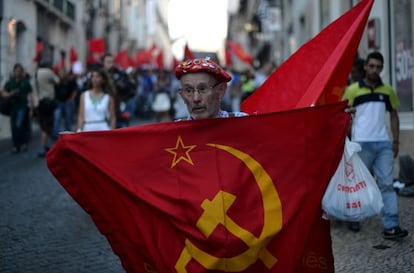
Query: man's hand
[[350, 109]]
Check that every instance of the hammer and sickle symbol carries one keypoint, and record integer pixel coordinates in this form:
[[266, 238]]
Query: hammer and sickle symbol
[[215, 213]]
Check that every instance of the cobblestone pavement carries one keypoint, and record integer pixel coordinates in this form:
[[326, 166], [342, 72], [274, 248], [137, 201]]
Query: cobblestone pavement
[[367, 252], [42, 230]]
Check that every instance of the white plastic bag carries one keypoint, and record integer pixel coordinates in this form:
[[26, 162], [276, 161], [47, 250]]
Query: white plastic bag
[[352, 194]]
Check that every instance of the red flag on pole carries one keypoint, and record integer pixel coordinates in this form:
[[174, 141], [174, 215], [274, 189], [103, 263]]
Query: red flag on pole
[[143, 57], [160, 60], [73, 56], [239, 51], [175, 62], [195, 200], [228, 58], [318, 71], [187, 53], [96, 49], [39, 50], [121, 59]]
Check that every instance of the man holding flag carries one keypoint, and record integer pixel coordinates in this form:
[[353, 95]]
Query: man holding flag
[[210, 194], [218, 195]]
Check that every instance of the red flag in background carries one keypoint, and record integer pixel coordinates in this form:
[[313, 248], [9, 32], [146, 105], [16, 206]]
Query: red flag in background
[[318, 71], [121, 59], [56, 68], [175, 62], [228, 58], [184, 195], [239, 51], [187, 53], [73, 56], [39, 50], [96, 49], [160, 60], [145, 56]]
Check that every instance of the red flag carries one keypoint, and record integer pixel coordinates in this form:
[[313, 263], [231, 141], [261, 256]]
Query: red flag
[[39, 50], [73, 56], [145, 56], [239, 51], [175, 62], [318, 71], [187, 197], [228, 58], [56, 68], [121, 59], [142, 57], [187, 53], [160, 60], [96, 49]]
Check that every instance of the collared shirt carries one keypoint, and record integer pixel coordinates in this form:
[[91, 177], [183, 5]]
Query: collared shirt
[[225, 114], [371, 104]]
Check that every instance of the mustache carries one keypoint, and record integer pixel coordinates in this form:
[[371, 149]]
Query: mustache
[[198, 106]]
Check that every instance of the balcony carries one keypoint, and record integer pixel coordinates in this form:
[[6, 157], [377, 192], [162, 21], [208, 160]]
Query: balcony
[[64, 9]]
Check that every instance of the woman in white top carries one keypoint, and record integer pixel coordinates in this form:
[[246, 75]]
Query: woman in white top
[[97, 106]]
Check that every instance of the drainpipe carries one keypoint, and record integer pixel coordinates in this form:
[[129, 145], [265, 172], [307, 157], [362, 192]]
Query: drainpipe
[[1, 22]]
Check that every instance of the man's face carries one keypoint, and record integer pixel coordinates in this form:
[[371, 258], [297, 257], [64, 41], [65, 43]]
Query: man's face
[[108, 62], [202, 94], [373, 68]]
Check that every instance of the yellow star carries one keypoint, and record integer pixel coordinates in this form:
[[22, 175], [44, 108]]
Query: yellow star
[[181, 152]]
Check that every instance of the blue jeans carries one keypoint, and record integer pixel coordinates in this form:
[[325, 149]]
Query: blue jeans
[[379, 159], [65, 111], [20, 126]]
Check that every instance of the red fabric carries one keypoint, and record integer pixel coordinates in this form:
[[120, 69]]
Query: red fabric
[[145, 56], [160, 60], [56, 69], [39, 50], [175, 63], [228, 57], [188, 55], [163, 186], [73, 56], [122, 60], [239, 51], [62, 63], [96, 49], [318, 71]]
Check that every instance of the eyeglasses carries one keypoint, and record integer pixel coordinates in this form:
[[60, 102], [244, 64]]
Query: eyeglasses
[[201, 89]]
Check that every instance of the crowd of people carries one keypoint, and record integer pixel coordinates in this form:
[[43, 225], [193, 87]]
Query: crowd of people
[[104, 97]]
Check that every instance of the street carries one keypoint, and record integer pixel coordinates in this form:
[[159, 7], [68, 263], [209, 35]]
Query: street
[[42, 230]]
